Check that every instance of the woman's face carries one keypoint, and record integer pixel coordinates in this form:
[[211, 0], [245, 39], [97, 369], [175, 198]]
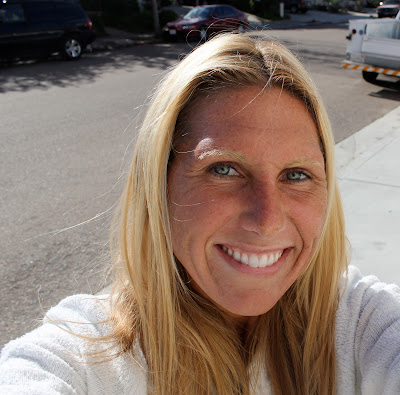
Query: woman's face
[[247, 197]]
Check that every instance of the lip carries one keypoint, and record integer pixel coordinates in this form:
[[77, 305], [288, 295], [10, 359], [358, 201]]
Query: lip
[[257, 271]]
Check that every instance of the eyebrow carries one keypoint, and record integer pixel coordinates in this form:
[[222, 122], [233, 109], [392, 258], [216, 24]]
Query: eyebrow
[[305, 161], [217, 152]]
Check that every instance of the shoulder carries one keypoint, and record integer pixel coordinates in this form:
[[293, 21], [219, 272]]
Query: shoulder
[[73, 319], [363, 295], [368, 332], [65, 354], [85, 315]]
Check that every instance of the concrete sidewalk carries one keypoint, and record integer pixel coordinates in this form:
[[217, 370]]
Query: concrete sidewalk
[[368, 165]]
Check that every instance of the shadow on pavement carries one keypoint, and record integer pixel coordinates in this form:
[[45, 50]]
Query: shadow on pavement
[[390, 94], [24, 76]]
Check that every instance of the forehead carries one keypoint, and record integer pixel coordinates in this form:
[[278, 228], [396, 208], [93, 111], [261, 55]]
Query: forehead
[[249, 118]]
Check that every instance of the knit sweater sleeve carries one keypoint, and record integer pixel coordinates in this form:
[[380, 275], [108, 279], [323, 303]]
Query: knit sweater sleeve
[[368, 336], [56, 357]]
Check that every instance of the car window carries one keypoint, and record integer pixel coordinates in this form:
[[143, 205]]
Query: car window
[[229, 12], [40, 12], [200, 12], [68, 11], [12, 13], [389, 2], [219, 12]]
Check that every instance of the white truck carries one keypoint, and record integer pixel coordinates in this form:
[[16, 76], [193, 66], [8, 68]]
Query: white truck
[[374, 47]]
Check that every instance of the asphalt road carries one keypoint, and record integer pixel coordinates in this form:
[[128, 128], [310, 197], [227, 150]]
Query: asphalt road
[[67, 132]]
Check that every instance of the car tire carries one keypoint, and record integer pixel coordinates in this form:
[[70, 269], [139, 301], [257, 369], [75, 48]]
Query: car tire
[[203, 33], [241, 28], [71, 48], [369, 76]]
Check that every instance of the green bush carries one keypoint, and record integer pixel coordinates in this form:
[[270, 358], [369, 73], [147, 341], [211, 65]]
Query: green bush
[[134, 22], [334, 6], [167, 16], [125, 15], [372, 3], [268, 9], [243, 5], [164, 3], [320, 7]]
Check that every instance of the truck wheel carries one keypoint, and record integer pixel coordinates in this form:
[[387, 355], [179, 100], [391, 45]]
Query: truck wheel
[[369, 76]]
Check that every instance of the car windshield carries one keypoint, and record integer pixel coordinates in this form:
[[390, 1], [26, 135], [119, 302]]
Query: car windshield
[[389, 2], [199, 12]]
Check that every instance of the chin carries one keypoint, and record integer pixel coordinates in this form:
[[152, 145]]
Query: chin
[[248, 308]]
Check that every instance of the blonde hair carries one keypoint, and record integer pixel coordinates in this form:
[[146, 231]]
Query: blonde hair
[[190, 346]]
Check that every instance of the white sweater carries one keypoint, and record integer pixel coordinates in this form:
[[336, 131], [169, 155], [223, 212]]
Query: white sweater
[[49, 360]]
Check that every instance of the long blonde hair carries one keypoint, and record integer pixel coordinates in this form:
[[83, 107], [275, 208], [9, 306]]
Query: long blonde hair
[[190, 346]]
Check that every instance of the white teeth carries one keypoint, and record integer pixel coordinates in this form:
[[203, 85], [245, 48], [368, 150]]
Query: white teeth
[[264, 260], [253, 260], [244, 259], [271, 260]]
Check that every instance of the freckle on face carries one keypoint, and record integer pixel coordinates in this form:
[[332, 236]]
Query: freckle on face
[[254, 210]]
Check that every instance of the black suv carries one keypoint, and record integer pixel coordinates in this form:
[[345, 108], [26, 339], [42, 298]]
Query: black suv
[[36, 29]]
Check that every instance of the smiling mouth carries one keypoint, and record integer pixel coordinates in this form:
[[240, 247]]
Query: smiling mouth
[[253, 260]]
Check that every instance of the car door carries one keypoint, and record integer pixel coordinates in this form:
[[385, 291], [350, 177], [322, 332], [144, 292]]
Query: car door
[[43, 29], [12, 28]]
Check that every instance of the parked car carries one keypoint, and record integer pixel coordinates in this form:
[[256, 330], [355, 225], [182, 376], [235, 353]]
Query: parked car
[[37, 28], [388, 8], [297, 6], [203, 21]]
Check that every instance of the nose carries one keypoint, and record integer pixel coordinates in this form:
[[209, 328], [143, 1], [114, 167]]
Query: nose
[[264, 211]]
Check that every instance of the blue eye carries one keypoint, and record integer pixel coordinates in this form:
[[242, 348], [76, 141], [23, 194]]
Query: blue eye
[[296, 175], [224, 170]]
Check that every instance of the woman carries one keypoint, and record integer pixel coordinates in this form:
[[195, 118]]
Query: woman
[[230, 252]]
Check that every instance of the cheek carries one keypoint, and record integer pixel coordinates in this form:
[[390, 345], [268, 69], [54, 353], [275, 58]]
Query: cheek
[[311, 218], [189, 215], [198, 216]]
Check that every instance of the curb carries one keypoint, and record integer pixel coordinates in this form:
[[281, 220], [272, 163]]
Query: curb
[[108, 44]]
